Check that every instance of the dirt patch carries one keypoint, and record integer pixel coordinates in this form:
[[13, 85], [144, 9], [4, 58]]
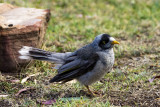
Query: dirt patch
[[4, 103], [135, 97]]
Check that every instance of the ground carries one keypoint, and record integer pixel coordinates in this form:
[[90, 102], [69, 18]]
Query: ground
[[133, 23]]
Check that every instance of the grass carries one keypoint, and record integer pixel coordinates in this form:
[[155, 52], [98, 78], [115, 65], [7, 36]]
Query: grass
[[73, 24]]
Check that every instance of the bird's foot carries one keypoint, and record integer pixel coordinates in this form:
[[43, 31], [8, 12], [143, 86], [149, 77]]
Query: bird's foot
[[93, 94]]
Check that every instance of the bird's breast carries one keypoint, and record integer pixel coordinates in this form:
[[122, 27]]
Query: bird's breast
[[107, 58], [103, 66]]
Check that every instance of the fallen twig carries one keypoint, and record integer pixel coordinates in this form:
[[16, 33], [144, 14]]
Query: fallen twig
[[15, 81], [23, 90]]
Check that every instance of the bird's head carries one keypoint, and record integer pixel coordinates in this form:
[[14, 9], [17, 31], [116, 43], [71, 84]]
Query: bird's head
[[105, 41]]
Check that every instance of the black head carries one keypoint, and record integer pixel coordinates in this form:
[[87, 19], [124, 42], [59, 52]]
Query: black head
[[106, 41]]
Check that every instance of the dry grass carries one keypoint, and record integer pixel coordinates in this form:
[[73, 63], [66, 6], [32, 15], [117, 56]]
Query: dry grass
[[135, 24]]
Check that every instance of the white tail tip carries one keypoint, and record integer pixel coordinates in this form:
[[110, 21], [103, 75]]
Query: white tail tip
[[24, 57], [25, 52]]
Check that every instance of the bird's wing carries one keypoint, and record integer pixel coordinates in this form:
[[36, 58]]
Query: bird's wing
[[74, 67]]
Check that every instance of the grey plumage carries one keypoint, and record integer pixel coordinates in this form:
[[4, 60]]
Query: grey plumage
[[87, 64]]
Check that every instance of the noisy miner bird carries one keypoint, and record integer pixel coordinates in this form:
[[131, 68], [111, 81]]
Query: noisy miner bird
[[87, 64]]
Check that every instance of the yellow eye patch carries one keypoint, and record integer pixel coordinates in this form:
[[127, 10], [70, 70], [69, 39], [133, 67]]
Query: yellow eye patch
[[104, 42]]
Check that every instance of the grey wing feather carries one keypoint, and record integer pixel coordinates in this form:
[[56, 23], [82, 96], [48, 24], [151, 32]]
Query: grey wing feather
[[75, 68], [68, 66], [57, 66]]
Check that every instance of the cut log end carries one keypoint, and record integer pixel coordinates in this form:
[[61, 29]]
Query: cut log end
[[19, 27]]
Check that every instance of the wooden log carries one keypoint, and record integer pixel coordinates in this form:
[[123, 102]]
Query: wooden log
[[19, 27]]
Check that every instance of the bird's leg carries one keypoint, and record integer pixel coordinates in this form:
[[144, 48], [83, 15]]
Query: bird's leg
[[92, 93], [89, 90]]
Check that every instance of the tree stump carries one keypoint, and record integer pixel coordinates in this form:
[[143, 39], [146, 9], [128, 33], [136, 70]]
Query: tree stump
[[19, 27]]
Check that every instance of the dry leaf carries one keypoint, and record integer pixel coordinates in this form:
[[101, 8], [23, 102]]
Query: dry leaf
[[48, 102], [72, 81], [3, 96], [151, 80], [26, 78]]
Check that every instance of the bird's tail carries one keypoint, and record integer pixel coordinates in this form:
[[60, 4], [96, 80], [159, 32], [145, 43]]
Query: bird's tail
[[39, 54]]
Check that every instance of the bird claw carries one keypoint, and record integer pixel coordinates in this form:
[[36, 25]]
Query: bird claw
[[94, 94]]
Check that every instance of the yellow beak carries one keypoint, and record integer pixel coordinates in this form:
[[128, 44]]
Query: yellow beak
[[114, 42]]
